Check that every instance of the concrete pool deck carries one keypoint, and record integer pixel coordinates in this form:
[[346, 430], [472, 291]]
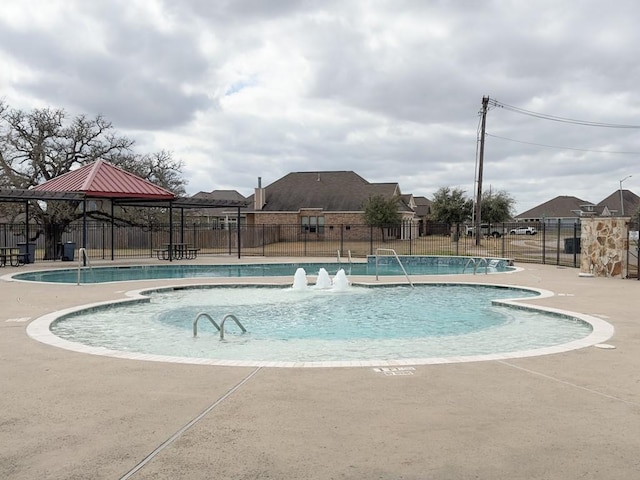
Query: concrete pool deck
[[68, 415]]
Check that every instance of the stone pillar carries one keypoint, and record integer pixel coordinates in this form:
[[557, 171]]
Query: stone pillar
[[604, 244]]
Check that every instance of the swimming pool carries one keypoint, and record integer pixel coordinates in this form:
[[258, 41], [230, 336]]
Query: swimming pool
[[391, 325], [414, 265]]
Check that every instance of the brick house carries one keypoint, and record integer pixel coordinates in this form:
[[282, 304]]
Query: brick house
[[223, 218], [321, 202], [567, 209]]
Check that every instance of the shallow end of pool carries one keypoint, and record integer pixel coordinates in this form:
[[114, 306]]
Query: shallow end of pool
[[39, 330]]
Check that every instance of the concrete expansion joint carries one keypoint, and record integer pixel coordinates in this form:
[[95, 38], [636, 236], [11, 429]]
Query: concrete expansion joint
[[186, 427]]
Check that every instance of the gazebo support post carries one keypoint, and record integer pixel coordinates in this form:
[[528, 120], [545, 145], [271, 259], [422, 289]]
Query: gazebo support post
[[113, 233], [170, 231], [84, 231], [26, 231]]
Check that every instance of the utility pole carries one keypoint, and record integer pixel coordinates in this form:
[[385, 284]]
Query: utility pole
[[483, 125]]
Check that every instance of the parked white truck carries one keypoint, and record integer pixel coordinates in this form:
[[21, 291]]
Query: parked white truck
[[486, 230]]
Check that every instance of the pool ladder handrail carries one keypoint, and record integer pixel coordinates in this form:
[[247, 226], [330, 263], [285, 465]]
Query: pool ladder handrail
[[348, 256], [477, 263], [220, 327], [83, 261], [397, 258]]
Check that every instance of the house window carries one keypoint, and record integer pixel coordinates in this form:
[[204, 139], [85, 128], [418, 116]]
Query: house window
[[310, 224]]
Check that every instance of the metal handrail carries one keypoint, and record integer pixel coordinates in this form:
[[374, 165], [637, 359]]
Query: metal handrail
[[220, 327], [207, 316], [235, 319], [397, 258], [486, 266], [472, 261], [83, 260], [348, 257]]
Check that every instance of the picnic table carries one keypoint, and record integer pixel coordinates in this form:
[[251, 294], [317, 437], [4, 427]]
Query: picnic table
[[176, 251], [13, 254]]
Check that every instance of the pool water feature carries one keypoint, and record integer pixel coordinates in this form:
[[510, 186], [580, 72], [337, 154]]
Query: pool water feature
[[307, 325], [323, 281]]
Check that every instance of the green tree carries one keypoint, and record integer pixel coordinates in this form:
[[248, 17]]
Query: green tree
[[382, 212], [451, 206], [42, 144], [496, 207]]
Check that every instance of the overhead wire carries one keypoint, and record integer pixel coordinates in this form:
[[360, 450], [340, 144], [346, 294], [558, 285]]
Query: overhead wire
[[555, 118], [559, 147]]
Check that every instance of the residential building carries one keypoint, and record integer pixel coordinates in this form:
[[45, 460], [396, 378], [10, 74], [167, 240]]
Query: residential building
[[321, 200], [223, 218], [567, 209]]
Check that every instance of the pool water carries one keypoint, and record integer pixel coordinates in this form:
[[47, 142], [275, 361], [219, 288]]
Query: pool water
[[315, 325], [430, 266]]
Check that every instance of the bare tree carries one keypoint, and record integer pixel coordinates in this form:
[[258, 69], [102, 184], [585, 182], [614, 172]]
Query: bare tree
[[42, 144]]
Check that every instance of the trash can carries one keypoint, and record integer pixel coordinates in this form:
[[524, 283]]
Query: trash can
[[68, 252], [31, 252], [572, 245]]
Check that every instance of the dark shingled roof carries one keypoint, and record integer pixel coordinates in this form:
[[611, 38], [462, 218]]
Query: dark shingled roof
[[423, 206], [559, 207], [221, 195], [631, 202], [335, 191], [224, 199]]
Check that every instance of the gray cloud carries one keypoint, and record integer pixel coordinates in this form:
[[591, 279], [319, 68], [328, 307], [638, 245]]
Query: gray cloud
[[391, 89]]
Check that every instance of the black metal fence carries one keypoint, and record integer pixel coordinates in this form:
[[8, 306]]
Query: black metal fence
[[554, 243]]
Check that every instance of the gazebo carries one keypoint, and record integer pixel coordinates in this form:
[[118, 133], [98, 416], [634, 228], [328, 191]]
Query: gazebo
[[103, 180]]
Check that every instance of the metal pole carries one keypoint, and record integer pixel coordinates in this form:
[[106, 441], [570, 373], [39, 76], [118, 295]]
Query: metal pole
[[621, 197], [112, 232], [485, 103], [84, 231], [170, 231]]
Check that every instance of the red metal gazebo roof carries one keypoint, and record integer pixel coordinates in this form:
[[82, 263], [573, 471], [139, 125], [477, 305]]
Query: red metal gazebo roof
[[103, 179]]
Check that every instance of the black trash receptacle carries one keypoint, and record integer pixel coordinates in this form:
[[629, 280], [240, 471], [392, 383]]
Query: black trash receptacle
[[31, 257], [572, 245], [68, 252]]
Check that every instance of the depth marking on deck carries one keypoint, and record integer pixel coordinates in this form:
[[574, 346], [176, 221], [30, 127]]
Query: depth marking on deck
[[395, 370], [17, 320]]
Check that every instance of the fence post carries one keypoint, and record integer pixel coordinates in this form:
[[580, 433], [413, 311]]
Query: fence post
[[575, 243], [544, 242], [558, 244], [370, 239]]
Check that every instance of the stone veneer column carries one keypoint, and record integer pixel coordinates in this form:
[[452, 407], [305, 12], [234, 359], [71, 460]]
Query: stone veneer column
[[604, 243]]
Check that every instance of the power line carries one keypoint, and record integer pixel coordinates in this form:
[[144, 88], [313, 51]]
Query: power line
[[561, 148], [555, 118]]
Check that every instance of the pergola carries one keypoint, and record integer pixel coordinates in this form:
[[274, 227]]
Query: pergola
[[103, 180]]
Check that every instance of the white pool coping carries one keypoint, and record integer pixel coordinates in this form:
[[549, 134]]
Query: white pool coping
[[40, 330]]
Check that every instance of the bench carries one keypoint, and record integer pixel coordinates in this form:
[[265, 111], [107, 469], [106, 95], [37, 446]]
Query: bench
[[161, 253], [178, 254], [15, 259]]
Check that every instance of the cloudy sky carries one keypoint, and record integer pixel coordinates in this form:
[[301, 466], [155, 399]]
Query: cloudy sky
[[391, 89]]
